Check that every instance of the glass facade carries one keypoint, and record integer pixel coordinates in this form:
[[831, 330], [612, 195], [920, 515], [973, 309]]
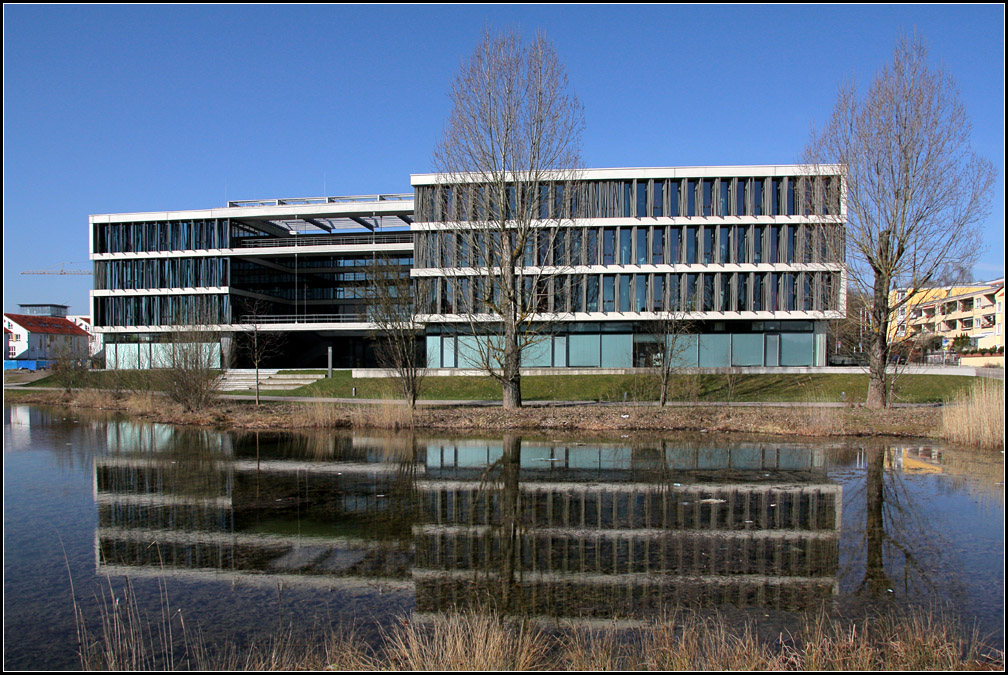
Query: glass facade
[[718, 247]]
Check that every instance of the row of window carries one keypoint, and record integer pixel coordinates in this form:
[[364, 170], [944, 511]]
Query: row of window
[[638, 245], [162, 310], [692, 292], [171, 235], [640, 198], [160, 273]]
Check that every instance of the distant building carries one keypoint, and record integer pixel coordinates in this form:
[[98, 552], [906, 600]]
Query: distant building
[[36, 340], [96, 343], [44, 309], [974, 310]]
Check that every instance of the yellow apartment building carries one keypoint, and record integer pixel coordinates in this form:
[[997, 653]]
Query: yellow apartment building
[[974, 310]]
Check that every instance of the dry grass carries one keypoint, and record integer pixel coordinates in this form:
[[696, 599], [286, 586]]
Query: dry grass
[[469, 641], [385, 415], [822, 419], [976, 416], [321, 416], [919, 640]]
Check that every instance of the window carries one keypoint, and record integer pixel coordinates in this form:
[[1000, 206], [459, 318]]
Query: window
[[723, 202], [657, 202], [641, 190], [608, 293], [740, 197], [642, 249], [658, 246], [592, 294], [640, 292], [626, 257], [724, 245]]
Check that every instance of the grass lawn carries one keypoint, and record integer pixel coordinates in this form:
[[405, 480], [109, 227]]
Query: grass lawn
[[785, 387], [712, 388]]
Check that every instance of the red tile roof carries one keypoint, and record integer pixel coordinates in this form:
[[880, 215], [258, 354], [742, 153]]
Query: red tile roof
[[51, 325]]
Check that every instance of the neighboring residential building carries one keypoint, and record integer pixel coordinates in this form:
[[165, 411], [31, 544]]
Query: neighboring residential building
[[745, 253], [37, 339], [95, 343], [974, 310]]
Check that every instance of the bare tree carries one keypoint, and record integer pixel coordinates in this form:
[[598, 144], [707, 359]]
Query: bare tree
[[190, 362], [70, 365], [258, 344], [392, 308], [914, 190], [670, 340], [507, 166]]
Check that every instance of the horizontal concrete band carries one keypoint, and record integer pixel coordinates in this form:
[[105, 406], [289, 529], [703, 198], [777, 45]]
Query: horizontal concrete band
[[965, 371]]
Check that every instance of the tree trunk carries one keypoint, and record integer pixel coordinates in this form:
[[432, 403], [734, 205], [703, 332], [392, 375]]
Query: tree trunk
[[511, 379], [878, 352], [512, 392]]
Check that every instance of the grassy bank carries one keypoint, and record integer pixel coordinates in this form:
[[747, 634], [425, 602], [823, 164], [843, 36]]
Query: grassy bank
[[807, 421], [839, 387], [784, 387], [487, 642]]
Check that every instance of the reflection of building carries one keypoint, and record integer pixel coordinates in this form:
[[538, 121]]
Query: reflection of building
[[622, 531], [211, 505], [598, 531]]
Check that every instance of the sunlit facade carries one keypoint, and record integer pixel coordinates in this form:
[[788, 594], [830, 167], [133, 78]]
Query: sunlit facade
[[751, 256]]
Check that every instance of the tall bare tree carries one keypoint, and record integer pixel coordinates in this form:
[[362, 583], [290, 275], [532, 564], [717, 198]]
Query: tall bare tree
[[914, 190], [507, 166], [392, 308]]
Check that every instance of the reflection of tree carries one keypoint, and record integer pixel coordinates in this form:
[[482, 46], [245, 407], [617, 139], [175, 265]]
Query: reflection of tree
[[502, 541], [895, 529]]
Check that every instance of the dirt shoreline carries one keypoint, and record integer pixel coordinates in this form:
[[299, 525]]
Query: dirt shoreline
[[804, 421]]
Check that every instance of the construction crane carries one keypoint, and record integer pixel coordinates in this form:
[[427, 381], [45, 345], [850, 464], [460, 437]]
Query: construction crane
[[61, 270]]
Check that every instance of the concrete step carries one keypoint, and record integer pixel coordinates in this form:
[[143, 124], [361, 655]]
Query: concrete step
[[245, 380]]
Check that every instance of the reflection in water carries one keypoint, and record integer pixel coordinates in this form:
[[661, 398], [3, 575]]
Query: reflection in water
[[551, 528], [554, 529]]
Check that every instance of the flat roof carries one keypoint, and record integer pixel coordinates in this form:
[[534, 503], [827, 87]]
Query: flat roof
[[662, 172]]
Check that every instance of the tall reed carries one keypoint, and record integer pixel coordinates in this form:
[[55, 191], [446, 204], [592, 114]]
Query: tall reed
[[975, 416]]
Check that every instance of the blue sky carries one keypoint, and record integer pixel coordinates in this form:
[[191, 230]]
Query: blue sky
[[113, 109]]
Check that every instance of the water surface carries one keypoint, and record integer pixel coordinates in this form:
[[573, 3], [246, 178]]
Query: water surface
[[241, 534]]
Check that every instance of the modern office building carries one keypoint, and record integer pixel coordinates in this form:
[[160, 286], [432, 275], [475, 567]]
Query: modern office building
[[751, 256]]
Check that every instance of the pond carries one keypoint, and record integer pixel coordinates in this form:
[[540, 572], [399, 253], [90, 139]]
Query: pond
[[244, 534]]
